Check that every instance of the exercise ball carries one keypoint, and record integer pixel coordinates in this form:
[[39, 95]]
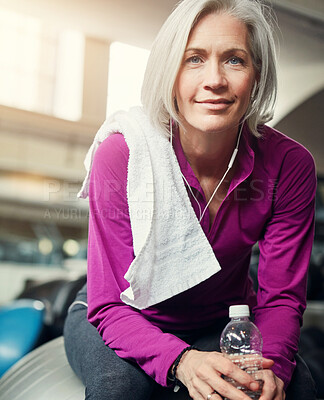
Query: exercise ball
[[21, 323], [43, 374]]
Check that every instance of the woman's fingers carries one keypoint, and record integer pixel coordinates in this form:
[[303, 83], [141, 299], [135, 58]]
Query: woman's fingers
[[267, 363], [273, 387], [218, 390], [204, 391], [228, 390], [202, 373], [230, 370], [269, 391], [216, 362]]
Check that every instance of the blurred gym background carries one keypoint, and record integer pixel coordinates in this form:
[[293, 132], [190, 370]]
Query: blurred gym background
[[63, 66]]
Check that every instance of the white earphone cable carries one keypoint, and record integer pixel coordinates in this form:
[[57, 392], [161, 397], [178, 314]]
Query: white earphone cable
[[230, 164]]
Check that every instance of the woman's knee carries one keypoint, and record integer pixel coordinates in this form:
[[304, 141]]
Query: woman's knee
[[75, 335], [105, 375], [122, 381]]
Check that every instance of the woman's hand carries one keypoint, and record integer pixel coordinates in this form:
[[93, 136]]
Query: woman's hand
[[201, 372], [273, 387]]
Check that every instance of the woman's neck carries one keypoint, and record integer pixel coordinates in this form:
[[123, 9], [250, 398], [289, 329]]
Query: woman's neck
[[208, 153]]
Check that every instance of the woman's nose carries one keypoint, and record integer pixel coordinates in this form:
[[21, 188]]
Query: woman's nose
[[215, 77]]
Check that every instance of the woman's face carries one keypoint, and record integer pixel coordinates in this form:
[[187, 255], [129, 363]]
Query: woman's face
[[215, 80]]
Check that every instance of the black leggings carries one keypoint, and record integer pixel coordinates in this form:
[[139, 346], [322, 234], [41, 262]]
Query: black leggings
[[106, 376]]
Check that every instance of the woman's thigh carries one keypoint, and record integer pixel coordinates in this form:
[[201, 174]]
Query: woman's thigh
[[105, 375], [302, 386]]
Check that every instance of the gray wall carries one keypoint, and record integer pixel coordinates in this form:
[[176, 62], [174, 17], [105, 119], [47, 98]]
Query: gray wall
[[305, 124]]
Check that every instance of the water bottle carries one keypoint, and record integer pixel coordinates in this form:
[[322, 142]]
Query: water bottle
[[241, 342]]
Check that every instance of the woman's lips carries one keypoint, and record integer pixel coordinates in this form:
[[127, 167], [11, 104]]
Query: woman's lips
[[215, 104]]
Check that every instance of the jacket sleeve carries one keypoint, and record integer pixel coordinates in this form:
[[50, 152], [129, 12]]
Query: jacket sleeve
[[110, 252], [285, 251]]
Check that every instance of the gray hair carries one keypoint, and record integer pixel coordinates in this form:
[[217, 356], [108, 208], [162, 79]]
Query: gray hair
[[170, 44]]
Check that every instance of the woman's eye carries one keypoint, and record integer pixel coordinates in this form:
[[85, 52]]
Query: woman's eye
[[236, 61], [194, 60]]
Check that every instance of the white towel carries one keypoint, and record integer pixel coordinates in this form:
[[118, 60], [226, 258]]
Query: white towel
[[172, 253]]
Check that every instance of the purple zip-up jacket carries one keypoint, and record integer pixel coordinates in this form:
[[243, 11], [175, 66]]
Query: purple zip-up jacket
[[270, 201]]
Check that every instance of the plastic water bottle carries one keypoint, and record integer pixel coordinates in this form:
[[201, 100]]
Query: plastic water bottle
[[241, 342]]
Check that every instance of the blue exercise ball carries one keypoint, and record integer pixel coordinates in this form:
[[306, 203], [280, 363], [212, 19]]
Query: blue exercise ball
[[21, 323]]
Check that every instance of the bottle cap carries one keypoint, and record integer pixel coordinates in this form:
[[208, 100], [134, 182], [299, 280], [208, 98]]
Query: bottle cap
[[239, 311]]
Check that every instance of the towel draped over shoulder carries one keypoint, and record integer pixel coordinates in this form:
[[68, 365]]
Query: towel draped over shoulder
[[172, 253]]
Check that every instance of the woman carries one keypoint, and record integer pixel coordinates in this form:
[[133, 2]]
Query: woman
[[179, 193]]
